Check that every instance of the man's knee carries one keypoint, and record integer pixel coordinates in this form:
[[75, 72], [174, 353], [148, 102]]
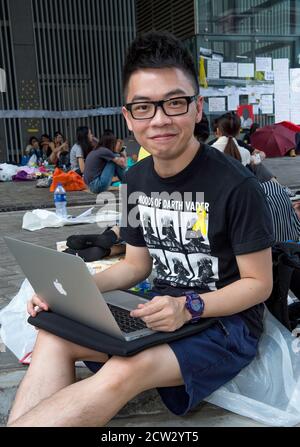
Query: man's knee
[[47, 341], [130, 371]]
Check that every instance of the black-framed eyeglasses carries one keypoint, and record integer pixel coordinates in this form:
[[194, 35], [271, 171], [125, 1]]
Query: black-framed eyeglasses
[[144, 110]]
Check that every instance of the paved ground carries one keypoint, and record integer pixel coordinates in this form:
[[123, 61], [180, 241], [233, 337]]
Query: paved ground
[[286, 169], [24, 195], [148, 411]]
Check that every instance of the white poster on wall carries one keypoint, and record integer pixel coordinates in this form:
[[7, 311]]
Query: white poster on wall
[[281, 89], [269, 75], [266, 104], [213, 69], [263, 64], [216, 104], [229, 70], [246, 70], [295, 94], [233, 101]]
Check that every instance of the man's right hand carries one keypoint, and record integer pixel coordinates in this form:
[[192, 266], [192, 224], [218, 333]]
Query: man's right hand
[[36, 305]]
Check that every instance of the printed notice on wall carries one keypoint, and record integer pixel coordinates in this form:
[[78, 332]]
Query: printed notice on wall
[[266, 104], [295, 94], [246, 70], [281, 89], [233, 101], [213, 69], [229, 70], [263, 63]]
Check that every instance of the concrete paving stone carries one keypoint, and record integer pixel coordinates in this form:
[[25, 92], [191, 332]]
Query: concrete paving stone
[[286, 169], [206, 415], [14, 196]]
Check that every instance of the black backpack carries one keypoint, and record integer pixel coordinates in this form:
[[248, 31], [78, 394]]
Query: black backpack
[[63, 161], [286, 266]]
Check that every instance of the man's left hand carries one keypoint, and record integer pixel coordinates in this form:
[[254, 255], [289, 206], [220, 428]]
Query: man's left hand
[[163, 313]]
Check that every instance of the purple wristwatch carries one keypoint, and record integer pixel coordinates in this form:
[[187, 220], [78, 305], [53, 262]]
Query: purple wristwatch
[[195, 305]]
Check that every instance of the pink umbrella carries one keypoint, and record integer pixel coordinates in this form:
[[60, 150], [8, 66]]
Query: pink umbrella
[[275, 140]]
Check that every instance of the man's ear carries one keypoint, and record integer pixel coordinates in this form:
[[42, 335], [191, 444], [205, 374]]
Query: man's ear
[[127, 117], [199, 105]]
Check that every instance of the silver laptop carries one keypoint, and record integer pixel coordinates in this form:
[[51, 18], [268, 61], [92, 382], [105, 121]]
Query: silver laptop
[[67, 286]]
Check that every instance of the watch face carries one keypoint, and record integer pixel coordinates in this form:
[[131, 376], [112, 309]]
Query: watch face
[[196, 305]]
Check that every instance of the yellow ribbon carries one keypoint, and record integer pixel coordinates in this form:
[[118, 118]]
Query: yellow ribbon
[[201, 221]]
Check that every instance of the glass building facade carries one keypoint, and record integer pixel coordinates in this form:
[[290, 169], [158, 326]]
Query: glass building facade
[[245, 29], [237, 30]]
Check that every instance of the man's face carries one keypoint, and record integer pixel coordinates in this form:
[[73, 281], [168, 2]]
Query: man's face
[[165, 137]]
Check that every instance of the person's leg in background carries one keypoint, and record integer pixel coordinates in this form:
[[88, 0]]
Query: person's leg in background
[[92, 247], [120, 173], [262, 173], [103, 181]]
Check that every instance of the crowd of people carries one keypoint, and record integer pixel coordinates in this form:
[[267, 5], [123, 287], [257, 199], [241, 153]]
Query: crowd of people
[[101, 162]]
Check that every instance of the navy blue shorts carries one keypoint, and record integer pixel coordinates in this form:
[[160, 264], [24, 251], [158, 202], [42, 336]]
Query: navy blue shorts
[[207, 361]]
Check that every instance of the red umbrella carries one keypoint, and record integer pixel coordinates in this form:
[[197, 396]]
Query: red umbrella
[[275, 140], [290, 125]]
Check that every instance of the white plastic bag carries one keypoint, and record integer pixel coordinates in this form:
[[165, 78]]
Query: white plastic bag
[[7, 171], [268, 390], [18, 335], [32, 160], [38, 219]]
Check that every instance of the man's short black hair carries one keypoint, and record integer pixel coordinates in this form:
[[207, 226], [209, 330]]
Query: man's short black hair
[[158, 49]]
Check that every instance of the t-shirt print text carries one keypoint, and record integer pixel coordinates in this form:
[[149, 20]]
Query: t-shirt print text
[[176, 233]]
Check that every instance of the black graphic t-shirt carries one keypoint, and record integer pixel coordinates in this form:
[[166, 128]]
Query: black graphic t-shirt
[[196, 223]]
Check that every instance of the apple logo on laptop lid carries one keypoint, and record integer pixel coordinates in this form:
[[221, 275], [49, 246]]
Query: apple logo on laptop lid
[[59, 287]]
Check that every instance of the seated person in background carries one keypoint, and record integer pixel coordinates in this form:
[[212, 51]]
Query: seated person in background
[[108, 132], [104, 163], [228, 127], [246, 142], [262, 173], [81, 149], [46, 147], [243, 143], [285, 221], [202, 130], [61, 147], [32, 147], [249, 132]]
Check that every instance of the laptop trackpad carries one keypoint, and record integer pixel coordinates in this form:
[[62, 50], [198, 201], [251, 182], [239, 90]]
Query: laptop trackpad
[[123, 299]]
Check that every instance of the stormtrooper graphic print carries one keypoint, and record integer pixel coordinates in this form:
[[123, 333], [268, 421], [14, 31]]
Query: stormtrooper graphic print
[[178, 243]]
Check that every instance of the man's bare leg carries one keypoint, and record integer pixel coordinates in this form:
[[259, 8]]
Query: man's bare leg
[[95, 400], [51, 369]]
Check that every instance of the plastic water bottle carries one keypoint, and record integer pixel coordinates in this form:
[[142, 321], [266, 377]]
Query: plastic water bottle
[[60, 201]]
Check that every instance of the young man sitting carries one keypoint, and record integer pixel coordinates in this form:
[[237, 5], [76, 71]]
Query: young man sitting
[[185, 190]]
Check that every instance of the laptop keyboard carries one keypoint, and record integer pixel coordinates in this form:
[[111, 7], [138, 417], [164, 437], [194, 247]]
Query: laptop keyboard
[[126, 323]]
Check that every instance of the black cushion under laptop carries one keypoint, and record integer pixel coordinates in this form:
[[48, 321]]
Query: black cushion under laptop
[[91, 338]]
